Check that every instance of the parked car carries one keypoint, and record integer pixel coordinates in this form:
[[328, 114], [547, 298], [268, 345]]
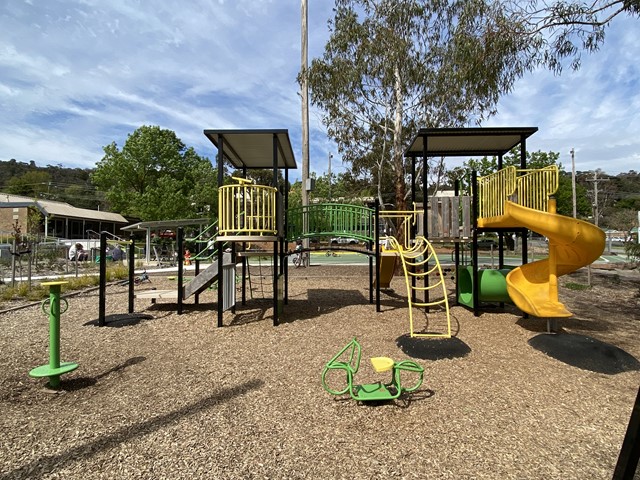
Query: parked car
[[167, 234], [487, 243], [344, 241]]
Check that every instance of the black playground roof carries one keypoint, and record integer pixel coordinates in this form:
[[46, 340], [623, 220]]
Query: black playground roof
[[460, 142], [254, 148]]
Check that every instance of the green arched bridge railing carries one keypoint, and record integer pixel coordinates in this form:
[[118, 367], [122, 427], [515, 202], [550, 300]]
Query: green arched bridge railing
[[331, 219]]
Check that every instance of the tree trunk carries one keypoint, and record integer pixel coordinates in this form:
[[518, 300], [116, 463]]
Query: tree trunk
[[398, 154]]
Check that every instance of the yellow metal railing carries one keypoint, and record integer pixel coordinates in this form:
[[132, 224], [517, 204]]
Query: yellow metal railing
[[534, 188], [247, 209], [529, 188], [405, 219], [493, 190]]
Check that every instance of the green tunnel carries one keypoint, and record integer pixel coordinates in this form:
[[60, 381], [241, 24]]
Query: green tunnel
[[493, 285]]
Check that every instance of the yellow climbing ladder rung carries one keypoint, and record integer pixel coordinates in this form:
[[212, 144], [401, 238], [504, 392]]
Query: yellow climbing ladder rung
[[424, 289], [428, 304]]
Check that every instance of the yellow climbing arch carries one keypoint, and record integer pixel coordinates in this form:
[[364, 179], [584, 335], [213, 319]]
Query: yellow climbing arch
[[416, 261]]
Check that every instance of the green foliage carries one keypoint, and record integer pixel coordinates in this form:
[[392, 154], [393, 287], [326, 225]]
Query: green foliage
[[556, 32], [53, 182], [391, 66], [32, 183], [632, 250], [155, 177], [564, 198]]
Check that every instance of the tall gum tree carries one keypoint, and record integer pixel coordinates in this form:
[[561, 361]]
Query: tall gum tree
[[389, 68], [392, 66]]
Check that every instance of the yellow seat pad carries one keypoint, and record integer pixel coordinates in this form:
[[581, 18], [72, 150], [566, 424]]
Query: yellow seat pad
[[382, 364]]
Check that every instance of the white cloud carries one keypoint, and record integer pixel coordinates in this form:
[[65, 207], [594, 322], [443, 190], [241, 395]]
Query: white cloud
[[79, 74]]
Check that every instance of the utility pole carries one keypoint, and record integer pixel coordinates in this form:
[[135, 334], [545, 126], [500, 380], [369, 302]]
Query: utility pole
[[573, 182], [596, 211], [305, 115], [596, 208], [305, 103]]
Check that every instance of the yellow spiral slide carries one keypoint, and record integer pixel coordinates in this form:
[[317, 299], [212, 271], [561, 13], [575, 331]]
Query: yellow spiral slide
[[573, 244]]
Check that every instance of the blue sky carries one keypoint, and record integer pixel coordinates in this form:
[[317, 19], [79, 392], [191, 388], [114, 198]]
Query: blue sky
[[76, 75]]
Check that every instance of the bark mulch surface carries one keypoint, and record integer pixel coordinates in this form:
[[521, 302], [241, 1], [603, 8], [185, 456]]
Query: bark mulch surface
[[173, 396]]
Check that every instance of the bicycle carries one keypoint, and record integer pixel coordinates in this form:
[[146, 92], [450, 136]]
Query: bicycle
[[300, 259], [331, 253], [143, 277]]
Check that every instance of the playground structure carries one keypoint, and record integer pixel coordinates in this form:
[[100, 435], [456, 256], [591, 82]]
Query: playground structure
[[509, 200], [348, 361]]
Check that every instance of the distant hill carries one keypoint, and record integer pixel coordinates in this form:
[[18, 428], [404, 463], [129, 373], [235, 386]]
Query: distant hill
[[53, 182]]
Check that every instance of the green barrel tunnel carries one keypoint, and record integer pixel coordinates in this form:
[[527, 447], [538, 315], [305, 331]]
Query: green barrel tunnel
[[492, 288]]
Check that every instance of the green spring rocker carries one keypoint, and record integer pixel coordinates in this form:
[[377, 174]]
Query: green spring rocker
[[348, 359]]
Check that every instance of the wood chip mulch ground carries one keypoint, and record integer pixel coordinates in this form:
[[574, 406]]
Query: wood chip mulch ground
[[172, 396]]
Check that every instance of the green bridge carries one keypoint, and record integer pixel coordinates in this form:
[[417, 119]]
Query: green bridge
[[331, 220]]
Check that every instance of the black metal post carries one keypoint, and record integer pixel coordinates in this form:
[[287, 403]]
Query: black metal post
[[132, 266], [102, 298], [285, 259], [377, 236], [425, 201], [456, 192], [180, 240], [276, 243], [220, 252], [475, 288], [629, 456]]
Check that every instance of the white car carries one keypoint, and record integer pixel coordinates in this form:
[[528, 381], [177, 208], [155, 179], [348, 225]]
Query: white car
[[344, 241]]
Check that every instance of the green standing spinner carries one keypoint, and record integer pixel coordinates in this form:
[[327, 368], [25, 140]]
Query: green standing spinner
[[55, 368], [348, 359]]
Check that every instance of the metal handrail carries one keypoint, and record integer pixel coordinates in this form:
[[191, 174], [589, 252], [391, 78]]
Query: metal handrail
[[527, 187], [408, 217]]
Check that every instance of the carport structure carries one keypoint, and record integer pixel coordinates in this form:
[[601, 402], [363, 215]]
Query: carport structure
[[151, 226]]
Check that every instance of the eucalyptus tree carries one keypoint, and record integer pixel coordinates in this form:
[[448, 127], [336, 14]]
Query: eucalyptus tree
[[391, 66], [558, 32]]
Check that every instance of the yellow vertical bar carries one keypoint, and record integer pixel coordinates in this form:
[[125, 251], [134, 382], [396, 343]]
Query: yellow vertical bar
[[553, 260]]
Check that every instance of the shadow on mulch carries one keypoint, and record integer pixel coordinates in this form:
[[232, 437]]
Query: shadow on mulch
[[49, 463], [85, 382], [433, 348], [321, 301], [119, 320], [585, 352], [186, 307]]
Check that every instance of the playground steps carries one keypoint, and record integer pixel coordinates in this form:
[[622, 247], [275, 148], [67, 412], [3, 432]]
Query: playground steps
[[157, 294], [205, 278]]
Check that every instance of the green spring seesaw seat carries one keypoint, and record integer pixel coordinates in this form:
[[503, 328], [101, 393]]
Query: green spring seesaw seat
[[348, 359]]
